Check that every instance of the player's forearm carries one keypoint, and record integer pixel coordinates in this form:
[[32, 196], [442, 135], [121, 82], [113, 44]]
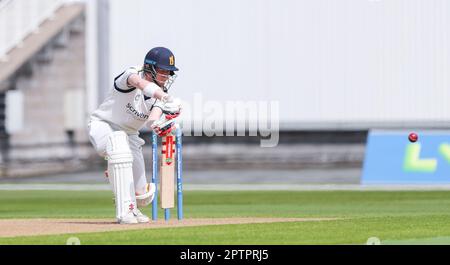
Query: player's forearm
[[155, 115], [160, 94], [149, 88]]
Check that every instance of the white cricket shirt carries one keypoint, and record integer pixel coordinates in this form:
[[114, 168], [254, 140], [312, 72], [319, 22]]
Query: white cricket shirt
[[125, 107]]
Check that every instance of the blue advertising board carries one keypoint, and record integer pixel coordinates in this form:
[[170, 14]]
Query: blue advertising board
[[392, 159]]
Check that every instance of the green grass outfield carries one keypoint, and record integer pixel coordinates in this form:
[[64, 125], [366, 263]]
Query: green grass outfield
[[392, 216]]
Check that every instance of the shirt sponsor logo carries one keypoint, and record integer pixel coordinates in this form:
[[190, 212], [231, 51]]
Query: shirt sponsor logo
[[138, 115]]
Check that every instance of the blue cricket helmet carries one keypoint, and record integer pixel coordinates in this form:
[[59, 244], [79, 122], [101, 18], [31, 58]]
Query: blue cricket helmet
[[160, 57]]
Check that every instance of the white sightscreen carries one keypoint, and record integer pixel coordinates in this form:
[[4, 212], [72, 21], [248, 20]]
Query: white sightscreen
[[328, 63]]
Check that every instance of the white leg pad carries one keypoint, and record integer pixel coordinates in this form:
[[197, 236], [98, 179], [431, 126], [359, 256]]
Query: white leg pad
[[120, 171]]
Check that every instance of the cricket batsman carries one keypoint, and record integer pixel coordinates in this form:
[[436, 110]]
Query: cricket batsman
[[138, 98]]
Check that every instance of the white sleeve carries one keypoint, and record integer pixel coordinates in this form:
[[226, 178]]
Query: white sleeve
[[121, 81]]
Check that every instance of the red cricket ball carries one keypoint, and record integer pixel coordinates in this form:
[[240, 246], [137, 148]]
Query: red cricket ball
[[413, 137]]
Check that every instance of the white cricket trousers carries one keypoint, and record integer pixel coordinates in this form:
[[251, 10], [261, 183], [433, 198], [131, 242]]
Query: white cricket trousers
[[98, 135]]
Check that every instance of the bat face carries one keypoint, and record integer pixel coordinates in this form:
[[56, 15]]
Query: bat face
[[168, 171]]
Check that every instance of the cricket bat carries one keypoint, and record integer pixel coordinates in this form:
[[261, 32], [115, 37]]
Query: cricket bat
[[168, 171]]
